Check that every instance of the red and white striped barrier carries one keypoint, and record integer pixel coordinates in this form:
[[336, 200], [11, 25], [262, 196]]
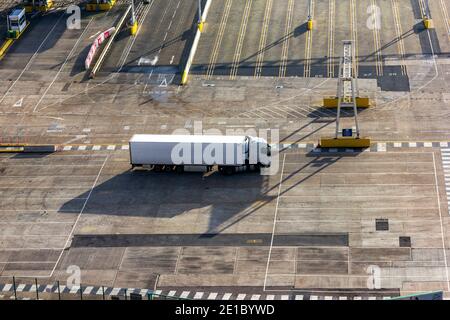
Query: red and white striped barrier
[[97, 42]]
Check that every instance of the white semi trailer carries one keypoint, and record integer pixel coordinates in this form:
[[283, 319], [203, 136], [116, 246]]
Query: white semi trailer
[[199, 152]]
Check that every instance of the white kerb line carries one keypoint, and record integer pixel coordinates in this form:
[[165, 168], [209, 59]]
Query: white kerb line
[[32, 58], [441, 224], [78, 218], [274, 222], [69, 56]]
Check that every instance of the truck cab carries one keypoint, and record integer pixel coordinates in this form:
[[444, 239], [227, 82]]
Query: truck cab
[[17, 23], [259, 151]]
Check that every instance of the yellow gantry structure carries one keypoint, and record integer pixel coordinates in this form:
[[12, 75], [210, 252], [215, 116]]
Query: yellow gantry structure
[[347, 88]]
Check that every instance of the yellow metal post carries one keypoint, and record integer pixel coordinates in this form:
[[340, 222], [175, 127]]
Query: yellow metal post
[[427, 23], [134, 28]]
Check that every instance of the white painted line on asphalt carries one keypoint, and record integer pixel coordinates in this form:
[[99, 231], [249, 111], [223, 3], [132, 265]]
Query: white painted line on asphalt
[[38, 50], [299, 297], [274, 222], [372, 298], [397, 144], [226, 296], [381, 147], [198, 295], [82, 148], [443, 144], [88, 290], [172, 293], [96, 148], [328, 298], [184, 294], [158, 292], [125, 147], [412, 144], [255, 297], [67, 148], [285, 297], [428, 144], [313, 298], [20, 287], [357, 298], [270, 297], [79, 215], [74, 289], [342, 298], [69, 56], [212, 296], [115, 291], [111, 147], [241, 296]]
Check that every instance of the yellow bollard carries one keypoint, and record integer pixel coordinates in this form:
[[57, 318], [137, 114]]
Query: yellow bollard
[[427, 23], [134, 28], [310, 24], [184, 77], [200, 26]]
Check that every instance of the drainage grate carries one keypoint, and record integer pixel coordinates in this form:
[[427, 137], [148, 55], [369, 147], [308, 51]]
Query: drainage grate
[[405, 242], [382, 224]]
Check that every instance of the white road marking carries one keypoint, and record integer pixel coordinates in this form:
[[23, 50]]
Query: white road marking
[[274, 222], [32, 58], [241, 296], [115, 291], [96, 148], [212, 296], [226, 296], [172, 293], [285, 297], [270, 297], [88, 290], [299, 297], [198, 295], [69, 56], [184, 294], [255, 297], [381, 147]]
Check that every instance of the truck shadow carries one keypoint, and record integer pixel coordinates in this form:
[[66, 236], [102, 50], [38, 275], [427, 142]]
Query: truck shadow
[[163, 196]]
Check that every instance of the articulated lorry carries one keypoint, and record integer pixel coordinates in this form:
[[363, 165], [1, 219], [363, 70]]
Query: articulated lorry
[[199, 153]]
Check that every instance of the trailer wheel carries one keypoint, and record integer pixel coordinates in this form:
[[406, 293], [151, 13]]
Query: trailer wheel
[[168, 168], [157, 168]]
